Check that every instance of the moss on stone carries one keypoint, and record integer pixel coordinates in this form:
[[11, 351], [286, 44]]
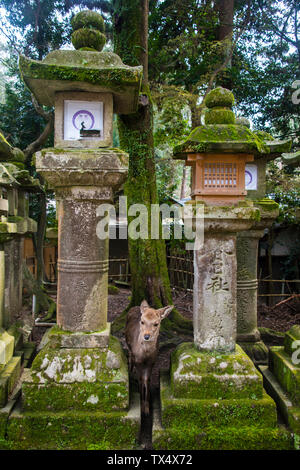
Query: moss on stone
[[224, 438], [219, 97], [96, 396], [219, 115], [236, 137], [214, 412], [204, 375], [85, 37], [113, 290], [71, 430]]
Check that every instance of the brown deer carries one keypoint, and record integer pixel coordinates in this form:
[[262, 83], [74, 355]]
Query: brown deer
[[141, 333]]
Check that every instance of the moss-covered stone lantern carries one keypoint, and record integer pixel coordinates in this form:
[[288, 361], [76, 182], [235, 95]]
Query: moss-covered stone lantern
[[225, 155], [82, 367], [214, 374]]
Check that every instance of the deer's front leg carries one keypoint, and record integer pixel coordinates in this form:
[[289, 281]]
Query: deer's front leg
[[145, 390]]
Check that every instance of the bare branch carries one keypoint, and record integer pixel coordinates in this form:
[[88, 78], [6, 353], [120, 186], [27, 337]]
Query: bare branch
[[39, 142]]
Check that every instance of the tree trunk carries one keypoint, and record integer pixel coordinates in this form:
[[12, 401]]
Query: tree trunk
[[226, 11], [148, 261]]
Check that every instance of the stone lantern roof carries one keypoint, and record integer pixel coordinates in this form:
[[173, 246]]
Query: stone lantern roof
[[223, 133], [84, 69]]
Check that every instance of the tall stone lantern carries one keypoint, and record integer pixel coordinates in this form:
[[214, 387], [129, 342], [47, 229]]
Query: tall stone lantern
[[213, 397], [82, 367]]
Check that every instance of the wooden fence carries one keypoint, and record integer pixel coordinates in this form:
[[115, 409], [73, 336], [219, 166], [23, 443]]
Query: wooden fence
[[181, 273]]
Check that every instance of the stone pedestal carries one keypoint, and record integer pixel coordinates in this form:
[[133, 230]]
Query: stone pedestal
[[248, 335], [214, 396]]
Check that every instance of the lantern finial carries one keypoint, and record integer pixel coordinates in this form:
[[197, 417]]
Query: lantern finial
[[88, 28], [219, 103]]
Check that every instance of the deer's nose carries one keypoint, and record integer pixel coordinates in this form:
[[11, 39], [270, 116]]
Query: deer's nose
[[146, 337]]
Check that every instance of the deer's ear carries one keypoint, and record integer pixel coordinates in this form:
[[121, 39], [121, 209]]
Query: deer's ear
[[144, 305], [164, 312]]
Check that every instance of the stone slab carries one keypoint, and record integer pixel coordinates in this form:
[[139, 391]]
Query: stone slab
[[213, 412], [60, 339], [73, 430], [196, 374]]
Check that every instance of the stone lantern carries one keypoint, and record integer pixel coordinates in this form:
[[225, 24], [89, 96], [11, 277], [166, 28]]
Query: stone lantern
[[82, 367], [212, 379]]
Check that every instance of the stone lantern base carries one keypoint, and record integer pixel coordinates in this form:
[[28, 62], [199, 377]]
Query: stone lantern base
[[215, 401], [75, 396]]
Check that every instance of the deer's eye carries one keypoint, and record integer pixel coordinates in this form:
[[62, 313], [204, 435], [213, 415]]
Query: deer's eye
[[142, 322], [155, 324]]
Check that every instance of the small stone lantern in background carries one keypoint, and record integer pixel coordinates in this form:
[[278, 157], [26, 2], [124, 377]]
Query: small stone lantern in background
[[82, 367]]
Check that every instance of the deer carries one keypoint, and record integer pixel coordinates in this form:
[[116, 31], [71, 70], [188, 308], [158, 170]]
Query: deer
[[141, 334]]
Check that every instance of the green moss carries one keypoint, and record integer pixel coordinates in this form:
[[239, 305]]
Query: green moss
[[85, 37], [229, 137], [114, 77], [113, 290], [214, 412], [224, 438], [203, 375], [96, 396], [219, 97], [88, 19], [219, 115]]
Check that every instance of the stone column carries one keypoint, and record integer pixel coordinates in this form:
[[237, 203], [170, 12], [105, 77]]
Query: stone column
[[82, 260], [82, 181], [247, 283], [248, 335], [215, 269]]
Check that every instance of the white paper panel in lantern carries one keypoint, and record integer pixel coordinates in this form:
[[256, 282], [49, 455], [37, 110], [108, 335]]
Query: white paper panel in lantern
[[82, 115], [250, 177]]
